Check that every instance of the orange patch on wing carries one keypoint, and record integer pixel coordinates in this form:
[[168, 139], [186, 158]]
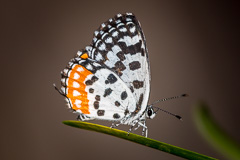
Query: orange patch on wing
[[84, 56], [76, 89]]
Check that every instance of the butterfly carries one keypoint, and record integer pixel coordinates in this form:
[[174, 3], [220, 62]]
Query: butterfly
[[110, 79]]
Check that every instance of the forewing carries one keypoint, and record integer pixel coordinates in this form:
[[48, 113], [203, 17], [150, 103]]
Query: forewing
[[119, 44]]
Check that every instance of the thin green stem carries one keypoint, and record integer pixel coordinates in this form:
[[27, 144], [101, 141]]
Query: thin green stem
[[177, 151]]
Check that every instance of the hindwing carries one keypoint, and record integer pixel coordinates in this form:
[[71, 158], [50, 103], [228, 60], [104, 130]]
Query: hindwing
[[96, 91]]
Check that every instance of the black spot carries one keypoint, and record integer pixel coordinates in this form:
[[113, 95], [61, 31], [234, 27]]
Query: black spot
[[126, 49], [97, 97], [137, 84], [140, 100], [94, 78], [123, 47], [91, 90], [89, 82], [116, 116], [107, 92], [117, 104], [134, 65], [126, 112], [124, 95], [137, 47], [111, 79], [112, 23], [98, 36], [106, 82], [96, 104], [121, 56], [120, 66], [142, 52], [108, 45], [133, 49], [131, 88], [100, 112]]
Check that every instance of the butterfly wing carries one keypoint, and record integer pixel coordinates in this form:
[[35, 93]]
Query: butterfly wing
[[120, 45], [95, 91]]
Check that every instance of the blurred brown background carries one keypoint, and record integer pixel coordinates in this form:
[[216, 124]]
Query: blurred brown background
[[193, 48]]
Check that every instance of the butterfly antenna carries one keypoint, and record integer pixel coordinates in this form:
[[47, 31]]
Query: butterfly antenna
[[175, 115], [165, 99]]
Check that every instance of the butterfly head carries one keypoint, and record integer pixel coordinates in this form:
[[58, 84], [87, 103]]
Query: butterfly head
[[150, 113]]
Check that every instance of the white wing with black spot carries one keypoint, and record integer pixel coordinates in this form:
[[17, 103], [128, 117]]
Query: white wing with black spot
[[97, 92], [119, 44]]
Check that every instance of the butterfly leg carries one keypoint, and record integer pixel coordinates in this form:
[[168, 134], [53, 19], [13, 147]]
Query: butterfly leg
[[145, 129], [130, 129], [137, 127], [133, 124], [114, 125], [79, 118]]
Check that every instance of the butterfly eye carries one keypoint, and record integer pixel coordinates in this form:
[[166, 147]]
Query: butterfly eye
[[150, 112]]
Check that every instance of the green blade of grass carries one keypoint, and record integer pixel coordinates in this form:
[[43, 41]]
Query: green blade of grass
[[177, 151], [214, 134]]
